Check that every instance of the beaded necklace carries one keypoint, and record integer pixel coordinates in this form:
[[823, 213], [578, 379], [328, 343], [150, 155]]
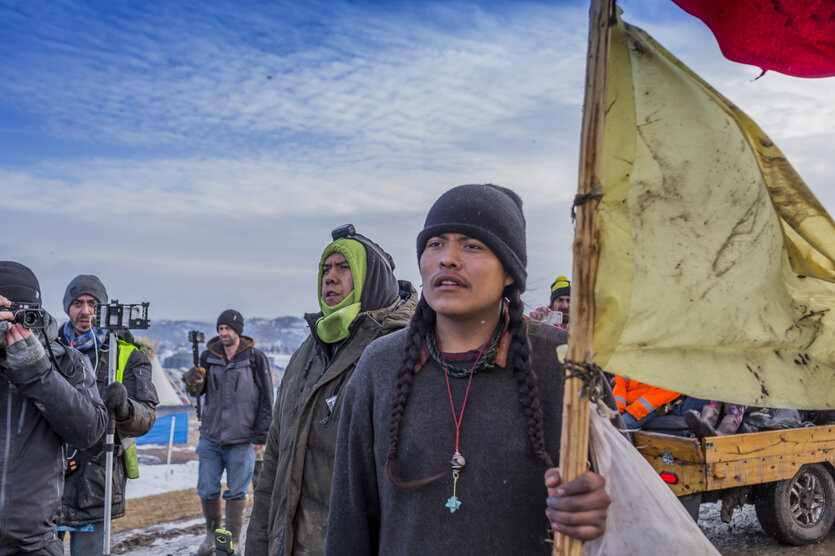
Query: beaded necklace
[[489, 350], [481, 364]]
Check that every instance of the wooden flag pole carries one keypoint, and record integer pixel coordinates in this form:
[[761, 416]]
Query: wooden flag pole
[[575, 416]]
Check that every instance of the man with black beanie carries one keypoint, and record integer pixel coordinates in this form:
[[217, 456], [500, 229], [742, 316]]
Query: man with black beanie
[[132, 399], [237, 382], [50, 398], [557, 312]]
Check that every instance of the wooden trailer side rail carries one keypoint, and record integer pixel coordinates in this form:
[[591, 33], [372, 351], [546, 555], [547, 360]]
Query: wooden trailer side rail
[[721, 462], [764, 457]]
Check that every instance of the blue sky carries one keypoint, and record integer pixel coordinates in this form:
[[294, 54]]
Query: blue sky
[[197, 154]]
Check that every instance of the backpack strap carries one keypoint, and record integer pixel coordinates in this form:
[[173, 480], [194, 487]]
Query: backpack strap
[[253, 365]]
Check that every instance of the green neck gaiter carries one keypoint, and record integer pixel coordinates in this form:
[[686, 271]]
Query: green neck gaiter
[[333, 326]]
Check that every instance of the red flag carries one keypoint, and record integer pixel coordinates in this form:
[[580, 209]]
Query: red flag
[[795, 37]]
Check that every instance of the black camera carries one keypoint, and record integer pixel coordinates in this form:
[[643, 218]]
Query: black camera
[[346, 230], [196, 337], [120, 316], [30, 315]]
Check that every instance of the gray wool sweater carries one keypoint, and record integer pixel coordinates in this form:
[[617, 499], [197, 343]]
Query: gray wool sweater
[[501, 488]]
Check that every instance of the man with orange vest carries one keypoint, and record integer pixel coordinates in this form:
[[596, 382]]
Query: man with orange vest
[[639, 403]]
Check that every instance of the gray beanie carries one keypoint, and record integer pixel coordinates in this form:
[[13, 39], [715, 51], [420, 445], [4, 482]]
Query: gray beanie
[[84, 284], [487, 212]]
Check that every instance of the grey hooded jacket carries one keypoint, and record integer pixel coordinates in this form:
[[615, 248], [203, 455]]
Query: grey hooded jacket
[[42, 408], [239, 394]]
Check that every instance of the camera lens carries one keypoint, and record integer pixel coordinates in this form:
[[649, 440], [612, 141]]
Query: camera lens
[[30, 319]]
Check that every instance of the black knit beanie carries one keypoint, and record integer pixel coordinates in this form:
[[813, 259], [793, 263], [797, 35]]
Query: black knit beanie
[[18, 283], [487, 212], [232, 319], [560, 287], [84, 284]]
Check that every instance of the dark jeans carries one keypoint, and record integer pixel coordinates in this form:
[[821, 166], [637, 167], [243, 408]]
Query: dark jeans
[[680, 410], [84, 543]]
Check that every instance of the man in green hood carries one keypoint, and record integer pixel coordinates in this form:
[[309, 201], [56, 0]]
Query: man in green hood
[[359, 300]]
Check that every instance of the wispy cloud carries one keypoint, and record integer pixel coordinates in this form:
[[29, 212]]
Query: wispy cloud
[[209, 136]]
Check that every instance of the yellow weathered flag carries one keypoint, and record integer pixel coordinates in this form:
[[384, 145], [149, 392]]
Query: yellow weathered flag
[[717, 262]]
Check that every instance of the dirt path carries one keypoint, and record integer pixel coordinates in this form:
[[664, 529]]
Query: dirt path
[[744, 536], [160, 508]]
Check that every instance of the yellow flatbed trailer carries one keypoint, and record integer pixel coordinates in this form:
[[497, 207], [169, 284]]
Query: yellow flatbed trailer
[[787, 474]]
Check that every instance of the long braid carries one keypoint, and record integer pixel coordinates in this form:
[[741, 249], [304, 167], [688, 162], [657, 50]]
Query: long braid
[[524, 374], [422, 321]]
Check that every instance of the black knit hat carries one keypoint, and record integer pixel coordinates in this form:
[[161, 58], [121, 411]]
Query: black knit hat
[[487, 212], [18, 283], [84, 284], [232, 319]]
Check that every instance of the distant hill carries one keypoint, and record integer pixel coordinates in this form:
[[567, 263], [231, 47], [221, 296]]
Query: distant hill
[[279, 335]]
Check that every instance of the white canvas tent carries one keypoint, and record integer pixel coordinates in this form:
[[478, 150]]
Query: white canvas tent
[[168, 394]]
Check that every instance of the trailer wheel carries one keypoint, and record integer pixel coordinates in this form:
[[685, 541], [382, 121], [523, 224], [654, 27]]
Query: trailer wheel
[[799, 510]]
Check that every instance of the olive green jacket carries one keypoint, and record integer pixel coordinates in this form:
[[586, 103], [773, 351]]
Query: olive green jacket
[[290, 513]]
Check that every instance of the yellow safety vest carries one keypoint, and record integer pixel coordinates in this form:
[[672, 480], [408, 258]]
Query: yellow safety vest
[[128, 444]]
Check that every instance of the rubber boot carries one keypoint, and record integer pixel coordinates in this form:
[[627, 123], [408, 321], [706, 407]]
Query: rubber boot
[[211, 511], [734, 414], [710, 414], [699, 426], [729, 425], [235, 519]]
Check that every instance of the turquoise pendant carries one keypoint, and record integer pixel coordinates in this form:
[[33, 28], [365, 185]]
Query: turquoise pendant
[[457, 464]]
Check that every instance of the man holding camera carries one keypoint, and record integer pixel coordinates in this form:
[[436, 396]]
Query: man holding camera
[[131, 398], [557, 312], [49, 398], [238, 384]]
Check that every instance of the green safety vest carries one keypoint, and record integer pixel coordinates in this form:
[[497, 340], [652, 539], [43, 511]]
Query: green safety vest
[[128, 444]]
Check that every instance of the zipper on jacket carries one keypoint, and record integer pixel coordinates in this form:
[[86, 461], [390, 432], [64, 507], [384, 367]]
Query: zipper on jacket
[[337, 392], [6, 457], [321, 374], [22, 415]]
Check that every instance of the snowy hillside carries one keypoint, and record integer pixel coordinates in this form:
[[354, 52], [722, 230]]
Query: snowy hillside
[[281, 335]]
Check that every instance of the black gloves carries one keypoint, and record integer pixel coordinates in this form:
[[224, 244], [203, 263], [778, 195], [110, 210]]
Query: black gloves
[[115, 397]]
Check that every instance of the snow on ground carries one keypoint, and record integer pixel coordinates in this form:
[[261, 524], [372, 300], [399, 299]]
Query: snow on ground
[[157, 479], [185, 535], [180, 544]]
